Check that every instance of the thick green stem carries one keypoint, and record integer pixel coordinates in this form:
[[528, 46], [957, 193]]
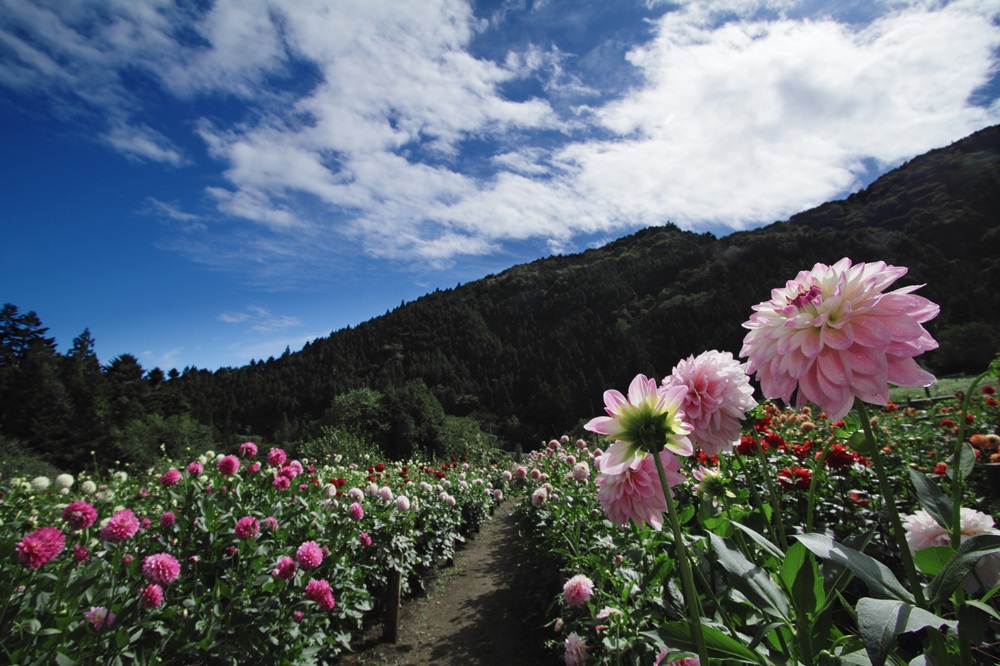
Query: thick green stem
[[687, 580], [889, 498]]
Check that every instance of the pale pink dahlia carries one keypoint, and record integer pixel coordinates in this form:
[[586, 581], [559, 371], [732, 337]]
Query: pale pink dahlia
[[578, 590], [79, 515], [576, 650], [40, 547], [835, 334], [162, 568], [99, 617], [309, 555], [121, 526], [718, 397], [922, 531], [636, 493], [649, 419]]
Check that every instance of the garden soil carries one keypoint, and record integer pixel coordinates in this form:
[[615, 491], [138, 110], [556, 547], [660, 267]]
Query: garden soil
[[482, 610]]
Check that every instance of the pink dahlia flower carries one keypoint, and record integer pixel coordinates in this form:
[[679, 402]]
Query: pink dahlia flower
[[576, 650], [99, 617], [922, 531], [195, 468], [276, 457], [247, 527], [41, 546], [581, 471], [578, 590], [403, 503], [229, 465], [162, 568], [285, 569], [835, 334], [365, 539], [79, 515], [718, 397], [123, 525], [309, 555], [356, 511], [151, 596], [649, 419], [281, 483], [170, 477], [636, 493], [319, 591], [168, 519], [248, 450]]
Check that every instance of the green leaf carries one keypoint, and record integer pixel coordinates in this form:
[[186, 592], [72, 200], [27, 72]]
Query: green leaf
[[752, 581], [960, 564], [932, 499], [63, 660], [881, 620], [877, 576], [761, 541], [967, 461], [932, 560], [719, 645], [801, 575]]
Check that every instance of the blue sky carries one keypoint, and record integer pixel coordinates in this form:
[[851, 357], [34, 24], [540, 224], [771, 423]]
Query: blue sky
[[205, 183]]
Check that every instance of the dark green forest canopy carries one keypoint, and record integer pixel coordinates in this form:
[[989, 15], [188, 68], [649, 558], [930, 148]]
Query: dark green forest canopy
[[528, 352]]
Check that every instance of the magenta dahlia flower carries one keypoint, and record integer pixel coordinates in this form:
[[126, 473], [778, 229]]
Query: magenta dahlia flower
[[121, 526], [636, 493], [162, 568], [229, 465], [718, 397], [170, 477], [365, 539], [168, 519], [309, 555], [648, 420], [578, 590], [195, 468], [248, 450], [356, 511], [285, 569], [835, 334], [79, 515], [276, 457], [151, 596], [41, 546], [319, 591], [247, 527]]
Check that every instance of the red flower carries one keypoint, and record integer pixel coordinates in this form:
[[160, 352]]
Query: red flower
[[941, 469], [989, 390], [859, 497], [747, 446], [800, 451], [839, 457], [947, 423], [794, 478]]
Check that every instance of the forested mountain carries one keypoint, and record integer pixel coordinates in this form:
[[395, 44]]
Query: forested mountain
[[528, 352]]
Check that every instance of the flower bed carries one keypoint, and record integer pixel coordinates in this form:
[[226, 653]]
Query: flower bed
[[225, 559]]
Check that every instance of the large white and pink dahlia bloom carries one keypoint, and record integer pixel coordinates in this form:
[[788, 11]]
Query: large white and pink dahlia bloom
[[636, 493], [718, 397], [922, 531], [836, 334], [649, 419]]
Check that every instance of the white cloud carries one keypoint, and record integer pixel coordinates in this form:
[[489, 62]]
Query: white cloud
[[401, 144], [260, 319]]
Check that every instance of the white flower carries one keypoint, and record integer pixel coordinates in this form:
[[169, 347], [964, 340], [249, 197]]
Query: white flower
[[88, 487], [64, 481], [40, 483]]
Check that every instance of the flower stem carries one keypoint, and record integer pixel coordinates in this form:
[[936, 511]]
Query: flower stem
[[687, 580], [775, 500], [889, 498], [957, 482]]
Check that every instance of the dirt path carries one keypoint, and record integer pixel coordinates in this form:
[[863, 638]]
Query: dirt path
[[475, 612]]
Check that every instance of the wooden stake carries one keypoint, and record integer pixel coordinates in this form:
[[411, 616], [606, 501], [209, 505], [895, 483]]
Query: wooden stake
[[391, 633]]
